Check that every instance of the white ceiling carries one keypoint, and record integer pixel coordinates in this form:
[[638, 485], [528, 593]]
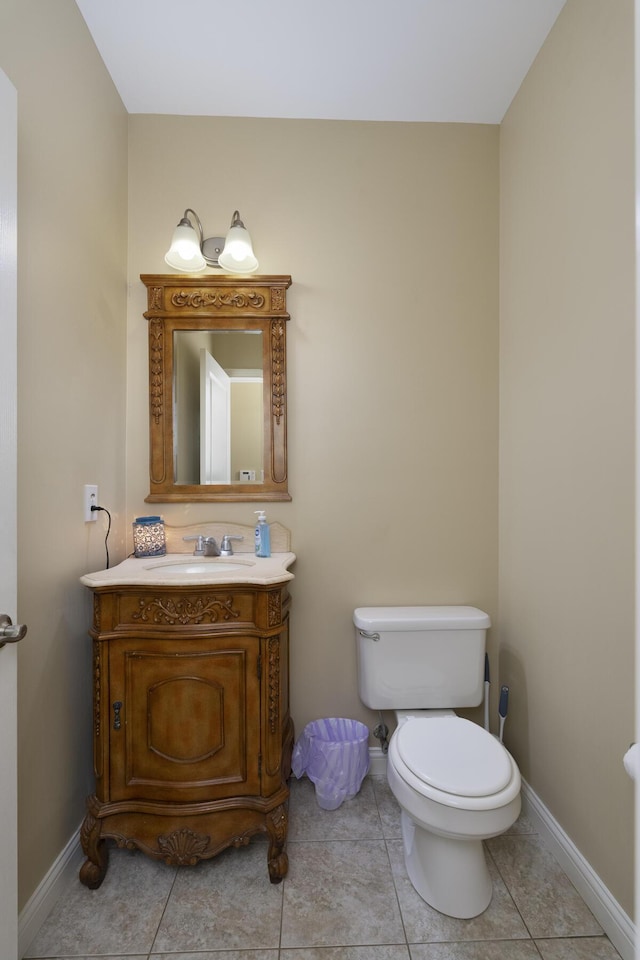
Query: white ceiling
[[413, 60]]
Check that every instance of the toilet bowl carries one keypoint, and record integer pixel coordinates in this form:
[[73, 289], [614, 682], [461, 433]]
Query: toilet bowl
[[456, 786]]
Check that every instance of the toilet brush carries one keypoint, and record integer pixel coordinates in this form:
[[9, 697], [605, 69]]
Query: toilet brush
[[503, 707], [487, 685]]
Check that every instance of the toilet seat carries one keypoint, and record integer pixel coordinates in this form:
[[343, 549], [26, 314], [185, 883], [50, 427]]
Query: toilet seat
[[454, 762], [454, 755]]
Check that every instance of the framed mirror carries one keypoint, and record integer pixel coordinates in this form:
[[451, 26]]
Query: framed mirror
[[217, 387]]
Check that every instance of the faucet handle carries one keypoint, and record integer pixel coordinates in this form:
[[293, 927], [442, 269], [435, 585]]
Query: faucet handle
[[199, 547], [226, 550]]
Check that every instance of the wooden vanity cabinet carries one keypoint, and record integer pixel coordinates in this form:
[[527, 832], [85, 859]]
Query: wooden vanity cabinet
[[192, 732]]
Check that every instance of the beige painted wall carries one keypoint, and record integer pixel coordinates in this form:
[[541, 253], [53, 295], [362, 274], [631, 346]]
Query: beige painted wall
[[567, 430], [72, 185], [390, 234]]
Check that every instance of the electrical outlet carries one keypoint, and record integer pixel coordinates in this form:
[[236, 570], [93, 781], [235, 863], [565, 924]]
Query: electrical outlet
[[90, 500]]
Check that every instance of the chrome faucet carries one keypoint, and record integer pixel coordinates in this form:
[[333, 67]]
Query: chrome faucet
[[226, 550], [205, 546]]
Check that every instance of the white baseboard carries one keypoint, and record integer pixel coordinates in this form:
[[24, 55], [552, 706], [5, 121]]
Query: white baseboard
[[614, 921], [48, 893]]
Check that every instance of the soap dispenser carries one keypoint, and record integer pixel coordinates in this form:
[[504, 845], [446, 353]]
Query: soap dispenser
[[263, 535]]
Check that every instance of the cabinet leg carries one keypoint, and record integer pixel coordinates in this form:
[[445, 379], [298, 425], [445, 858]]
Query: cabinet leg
[[277, 824], [94, 868]]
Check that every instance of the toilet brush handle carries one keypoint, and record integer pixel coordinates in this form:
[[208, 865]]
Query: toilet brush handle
[[503, 708], [487, 687]]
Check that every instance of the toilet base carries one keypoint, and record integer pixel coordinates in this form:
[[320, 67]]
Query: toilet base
[[451, 875]]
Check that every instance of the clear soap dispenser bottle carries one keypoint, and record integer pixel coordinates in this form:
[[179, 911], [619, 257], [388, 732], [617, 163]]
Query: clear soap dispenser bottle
[[263, 535]]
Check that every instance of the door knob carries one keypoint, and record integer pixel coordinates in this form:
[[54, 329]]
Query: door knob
[[10, 633]]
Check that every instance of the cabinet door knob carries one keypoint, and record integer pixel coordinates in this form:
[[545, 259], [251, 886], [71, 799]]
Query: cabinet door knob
[[117, 707]]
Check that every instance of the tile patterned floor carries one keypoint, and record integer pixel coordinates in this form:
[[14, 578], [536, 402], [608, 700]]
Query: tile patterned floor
[[346, 897]]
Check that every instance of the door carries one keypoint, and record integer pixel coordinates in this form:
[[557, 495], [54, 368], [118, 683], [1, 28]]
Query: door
[[637, 478], [8, 532], [186, 719], [215, 421]]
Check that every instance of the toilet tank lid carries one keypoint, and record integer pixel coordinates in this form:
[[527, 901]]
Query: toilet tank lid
[[421, 618]]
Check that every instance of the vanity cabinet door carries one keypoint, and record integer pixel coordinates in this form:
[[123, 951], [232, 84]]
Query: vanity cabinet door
[[185, 719]]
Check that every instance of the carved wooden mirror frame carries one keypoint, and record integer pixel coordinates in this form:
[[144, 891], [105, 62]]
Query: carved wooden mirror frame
[[256, 303]]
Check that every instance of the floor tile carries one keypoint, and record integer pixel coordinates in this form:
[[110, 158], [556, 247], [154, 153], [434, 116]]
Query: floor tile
[[355, 819], [119, 918], [223, 904], [523, 825], [339, 894], [578, 948], [218, 955], [348, 953], [549, 903], [476, 950], [388, 808], [423, 924]]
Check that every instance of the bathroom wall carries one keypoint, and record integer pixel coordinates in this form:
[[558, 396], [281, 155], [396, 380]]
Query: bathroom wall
[[390, 232], [72, 238], [567, 430]]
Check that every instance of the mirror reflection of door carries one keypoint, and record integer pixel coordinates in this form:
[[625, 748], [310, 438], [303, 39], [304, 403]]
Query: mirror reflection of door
[[215, 421], [247, 426], [218, 407]]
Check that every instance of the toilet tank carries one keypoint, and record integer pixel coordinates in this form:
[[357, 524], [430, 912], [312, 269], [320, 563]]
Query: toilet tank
[[420, 657]]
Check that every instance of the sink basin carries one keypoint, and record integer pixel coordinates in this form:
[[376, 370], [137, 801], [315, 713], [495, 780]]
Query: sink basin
[[205, 567]]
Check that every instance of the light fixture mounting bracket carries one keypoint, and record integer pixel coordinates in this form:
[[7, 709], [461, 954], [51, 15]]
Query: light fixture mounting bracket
[[211, 248]]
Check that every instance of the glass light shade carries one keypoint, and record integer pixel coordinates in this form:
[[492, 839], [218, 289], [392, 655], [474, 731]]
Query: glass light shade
[[238, 255], [185, 253]]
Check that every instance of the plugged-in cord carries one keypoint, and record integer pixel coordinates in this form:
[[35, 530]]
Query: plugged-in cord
[[106, 539]]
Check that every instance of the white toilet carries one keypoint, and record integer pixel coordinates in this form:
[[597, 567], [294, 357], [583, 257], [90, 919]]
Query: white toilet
[[456, 783]]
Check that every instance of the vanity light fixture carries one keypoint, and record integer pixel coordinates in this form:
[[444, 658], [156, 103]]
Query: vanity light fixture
[[191, 252]]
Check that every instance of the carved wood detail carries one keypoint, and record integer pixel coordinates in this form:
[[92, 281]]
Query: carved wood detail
[[279, 388], [96, 613], [156, 368], [95, 850], [277, 300], [88, 831], [278, 822], [273, 678], [183, 847], [185, 610], [155, 298], [198, 299], [97, 700], [277, 825], [274, 605]]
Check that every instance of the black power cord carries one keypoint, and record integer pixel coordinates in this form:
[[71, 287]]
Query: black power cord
[[106, 539]]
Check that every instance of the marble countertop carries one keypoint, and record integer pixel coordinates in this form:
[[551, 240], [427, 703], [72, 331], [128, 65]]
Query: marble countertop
[[180, 569]]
